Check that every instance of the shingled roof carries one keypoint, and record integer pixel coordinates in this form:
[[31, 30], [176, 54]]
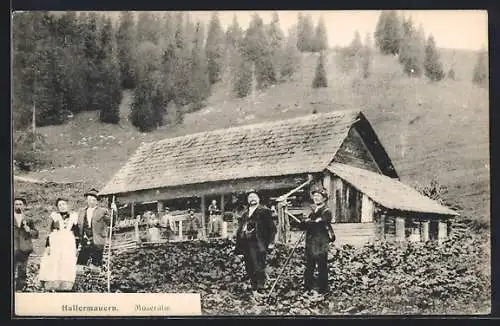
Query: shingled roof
[[305, 144], [388, 192]]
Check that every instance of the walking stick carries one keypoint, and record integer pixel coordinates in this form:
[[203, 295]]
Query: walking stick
[[286, 263], [113, 205]]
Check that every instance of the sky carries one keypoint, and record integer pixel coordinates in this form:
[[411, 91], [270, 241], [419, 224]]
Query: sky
[[457, 29]]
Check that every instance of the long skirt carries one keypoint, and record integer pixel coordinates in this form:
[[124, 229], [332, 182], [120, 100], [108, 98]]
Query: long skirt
[[58, 264]]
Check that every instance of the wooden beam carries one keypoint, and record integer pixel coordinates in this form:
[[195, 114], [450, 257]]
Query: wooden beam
[[132, 212], [211, 188]]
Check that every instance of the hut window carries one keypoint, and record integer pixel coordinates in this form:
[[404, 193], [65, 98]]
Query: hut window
[[413, 230], [390, 225]]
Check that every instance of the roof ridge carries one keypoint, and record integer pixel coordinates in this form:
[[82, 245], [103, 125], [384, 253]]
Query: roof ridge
[[254, 125]]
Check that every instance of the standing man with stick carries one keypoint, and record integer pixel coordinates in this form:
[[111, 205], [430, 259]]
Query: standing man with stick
[[319, 233], [255, 235], [24, 233], [92, 223]]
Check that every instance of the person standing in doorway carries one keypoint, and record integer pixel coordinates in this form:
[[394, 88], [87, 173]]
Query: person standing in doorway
[[214, 221], [254, 237], [319, 234], [167, 223], [24, 233], [192, 226], [92, 225]]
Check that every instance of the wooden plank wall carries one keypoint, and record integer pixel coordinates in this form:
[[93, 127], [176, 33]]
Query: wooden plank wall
[[355, 234]]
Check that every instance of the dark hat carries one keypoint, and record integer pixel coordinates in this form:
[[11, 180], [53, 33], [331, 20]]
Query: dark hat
[[21, 199], [92, 192], [252, 191], [60, 199], [321, 191]]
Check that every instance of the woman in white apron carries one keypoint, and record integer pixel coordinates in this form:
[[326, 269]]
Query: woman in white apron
[[58, 265]]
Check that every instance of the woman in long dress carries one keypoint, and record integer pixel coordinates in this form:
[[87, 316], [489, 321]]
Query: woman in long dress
[[58, 266]]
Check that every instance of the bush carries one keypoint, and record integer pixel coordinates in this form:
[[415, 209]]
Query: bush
[[29, 160], [25, 157]]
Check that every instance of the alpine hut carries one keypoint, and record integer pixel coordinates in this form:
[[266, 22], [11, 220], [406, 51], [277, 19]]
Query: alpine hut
[[284, 160]]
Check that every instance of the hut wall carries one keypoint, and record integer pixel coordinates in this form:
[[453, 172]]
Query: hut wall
[[393, 226], [355, 234], [354, 152]]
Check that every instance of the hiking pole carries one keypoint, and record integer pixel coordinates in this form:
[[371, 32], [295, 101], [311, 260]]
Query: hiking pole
[[113, 206], [286, 263]]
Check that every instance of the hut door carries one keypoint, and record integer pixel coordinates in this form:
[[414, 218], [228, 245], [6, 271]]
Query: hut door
[[348, 204]]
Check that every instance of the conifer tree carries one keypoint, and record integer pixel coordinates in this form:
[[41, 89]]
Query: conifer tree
[[255, 48], [305, 33], [366, 57], [432, 64], [291, 54], [480, 75], [215, 48], [110, 81], [388, 33], [320, 79], [321, 37], [276, 43], [126, 45]]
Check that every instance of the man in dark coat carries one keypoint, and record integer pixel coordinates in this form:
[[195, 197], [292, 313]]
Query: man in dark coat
[[254, 236], [92, 225], [24, 233], [319, 234]]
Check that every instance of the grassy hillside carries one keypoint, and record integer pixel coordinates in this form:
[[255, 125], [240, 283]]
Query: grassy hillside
[[429, 130]]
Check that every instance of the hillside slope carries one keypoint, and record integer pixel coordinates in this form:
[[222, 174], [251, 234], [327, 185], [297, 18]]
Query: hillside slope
[[429, 130]]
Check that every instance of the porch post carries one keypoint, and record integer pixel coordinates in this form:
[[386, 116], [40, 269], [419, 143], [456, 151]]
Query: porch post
[[222, 222], [442, 231], [400, 228], [425, 231], [203, 232]]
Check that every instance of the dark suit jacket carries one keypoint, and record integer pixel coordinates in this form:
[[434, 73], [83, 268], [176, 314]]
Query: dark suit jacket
[[263, 227], [100, 221], [22, 239], [318, 234]]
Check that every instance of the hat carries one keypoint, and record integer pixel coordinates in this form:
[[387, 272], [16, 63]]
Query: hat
[[21, 199], [252, 191], [60, 199], [321, 191], [92, 192]]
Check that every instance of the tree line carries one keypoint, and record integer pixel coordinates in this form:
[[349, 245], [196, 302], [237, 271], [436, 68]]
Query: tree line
[[397, 35], [65, 63]]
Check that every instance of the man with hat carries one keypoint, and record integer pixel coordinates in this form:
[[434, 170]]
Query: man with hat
[[319, 233], [24, 233], [254, 236], [92, 226]]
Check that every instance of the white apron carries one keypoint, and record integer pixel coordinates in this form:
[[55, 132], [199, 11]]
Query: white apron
[[58, 264]]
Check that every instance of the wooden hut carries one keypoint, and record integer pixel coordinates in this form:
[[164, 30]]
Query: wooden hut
[[338, 150]]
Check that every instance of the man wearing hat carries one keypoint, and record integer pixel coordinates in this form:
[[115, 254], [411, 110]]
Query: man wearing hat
[[24, 233], [254, 236], [319, 233], [92, 226]]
